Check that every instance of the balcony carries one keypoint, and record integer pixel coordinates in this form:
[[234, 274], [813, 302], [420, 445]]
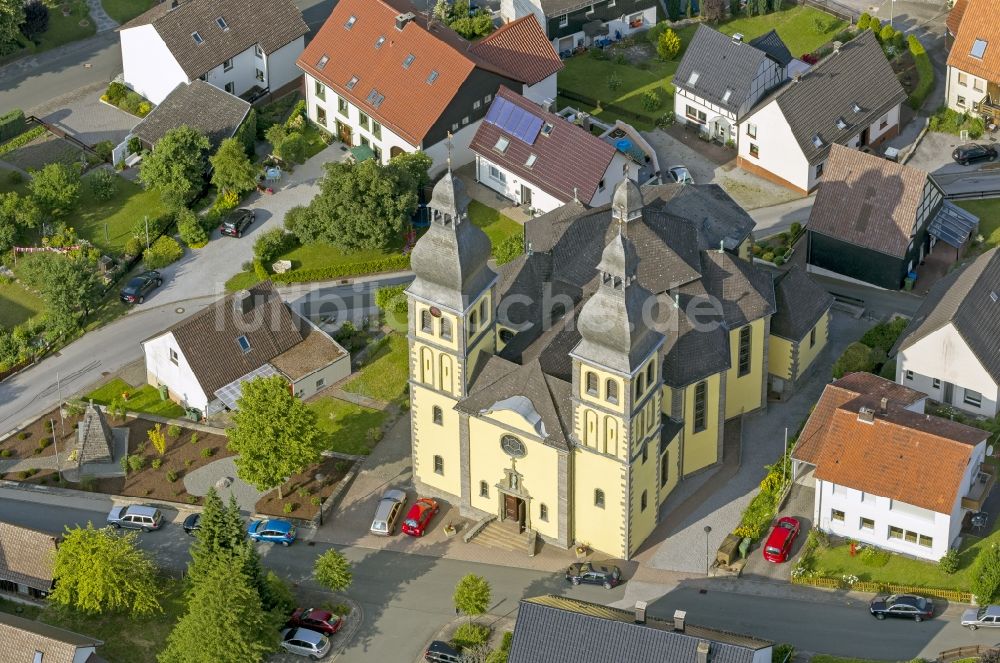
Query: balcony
[[980, 489]]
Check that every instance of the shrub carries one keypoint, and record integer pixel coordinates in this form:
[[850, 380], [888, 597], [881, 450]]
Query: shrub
[[884, 335], [316, 500], [136, 462], [470, 635], [194, 438], [144, 108], [189, 462], [164, 251], [259, 270], [174, 431], [863, 21], [270, 244], [156, 463], [103, 184], [393, 263], [796, 229], [509, 249], [45, 442], [23, 435], [22, 139], [133, 246], [293, 148], [190, 229], [171, 476], [985, 575], [598, 54], [49, 425], [6, 453], [886, 34], [157, 439], [23, 474], [116, 92], [651, 100], [131, 103], [856, 358], [288, 508], [668, 45], [888, 370], [104, 150], [614, 82], [949, 562], [874, 557], [392, 299], [925, 74], [207, 452], [781, 653]]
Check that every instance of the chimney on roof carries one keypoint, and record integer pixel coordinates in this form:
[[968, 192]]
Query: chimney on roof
[[243, 302], [885, 404], [528, 248], [640, 612], [548, 105], [837, 45], [797, 76], [585, 121], [704, 646], [866, 415], [738, 38], [403, 19], [679, 617]]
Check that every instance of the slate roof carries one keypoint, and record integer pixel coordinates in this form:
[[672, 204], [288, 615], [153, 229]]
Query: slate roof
[[555, 629], [270, 23], [868, 201], [718, 218], [969, 300], [723, 64], [95, 441], [412, 101], [568, 160], [858, 74], [978, 22], [199, 105], [208, 339], [904, 455], [801, 302], [26, 556], [770, 42], [21, 638]]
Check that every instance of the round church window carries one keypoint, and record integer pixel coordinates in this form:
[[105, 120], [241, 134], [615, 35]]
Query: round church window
[[512, 446]]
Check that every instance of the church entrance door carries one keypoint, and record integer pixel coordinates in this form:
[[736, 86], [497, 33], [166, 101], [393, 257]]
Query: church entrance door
[[513, 509]]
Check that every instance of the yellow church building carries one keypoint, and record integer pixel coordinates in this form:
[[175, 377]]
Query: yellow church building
[[568, 394]]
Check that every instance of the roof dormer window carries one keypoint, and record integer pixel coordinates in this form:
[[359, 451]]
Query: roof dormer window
[[380, 41], [978, 48], [841, 124], [433, 76], [375, 99], [351, 83], [221, 22], [693, 78], [408, 60], [350, 22], [322, 61], [501, 145], [817, 141], [197, 38]]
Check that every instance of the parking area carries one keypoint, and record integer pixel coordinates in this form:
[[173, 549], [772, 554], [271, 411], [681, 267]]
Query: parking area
[[934, 154], [82, 114], [799, 506]]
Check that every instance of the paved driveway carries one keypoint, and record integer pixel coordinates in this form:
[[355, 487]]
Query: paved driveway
[[799, 506], [82, 114]]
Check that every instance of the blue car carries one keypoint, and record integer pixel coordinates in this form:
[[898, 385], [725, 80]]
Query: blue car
[[275, 531]]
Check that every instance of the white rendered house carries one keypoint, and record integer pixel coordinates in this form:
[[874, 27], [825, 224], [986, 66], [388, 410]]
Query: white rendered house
[[887, 474], [951, 349], [973, 83], [570, 24], [235, 46], [382, 78]]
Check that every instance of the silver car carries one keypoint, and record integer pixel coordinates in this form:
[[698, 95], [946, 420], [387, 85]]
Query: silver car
[[387, 512], [985, 617], [304, 642], [680, 174]]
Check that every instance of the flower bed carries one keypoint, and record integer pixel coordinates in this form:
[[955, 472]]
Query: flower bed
[[303, 494], [35, 440]]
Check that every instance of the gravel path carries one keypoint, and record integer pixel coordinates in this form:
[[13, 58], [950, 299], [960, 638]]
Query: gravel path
[[199, 481]]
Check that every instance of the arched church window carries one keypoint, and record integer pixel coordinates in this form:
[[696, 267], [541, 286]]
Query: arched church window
[[426, 325], [446, 329], [599, 498], [612, 391], [591, 383]]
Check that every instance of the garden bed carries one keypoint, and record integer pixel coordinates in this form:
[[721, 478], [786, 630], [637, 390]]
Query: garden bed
[[303, 494], [27, 442]]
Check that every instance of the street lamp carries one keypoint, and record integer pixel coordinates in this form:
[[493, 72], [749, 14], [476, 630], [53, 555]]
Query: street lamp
[[320, 478], [708, 563]]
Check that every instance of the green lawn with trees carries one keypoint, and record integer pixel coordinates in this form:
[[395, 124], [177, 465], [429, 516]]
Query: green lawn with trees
[[384, 375], [108, 223], [125, 10], [61, 30], [344, 425]]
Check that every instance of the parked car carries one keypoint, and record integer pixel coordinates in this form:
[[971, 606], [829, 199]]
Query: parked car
[[442, 652], [320, 621], [275, 531], [387, 512], [680, 174], [237, 221], [136, 516], [192, 524], [594, 573], [138, 287], [779, 543], [909, 606], [304, 642], [419, 517], [972, 152], [985, 617]]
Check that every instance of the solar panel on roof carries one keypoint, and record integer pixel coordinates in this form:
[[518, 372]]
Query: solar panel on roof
[[515, 120]]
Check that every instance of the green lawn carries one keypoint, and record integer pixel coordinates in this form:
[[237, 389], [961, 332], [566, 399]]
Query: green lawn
[[126, 639], [130, 203], [126, 10], [346, 424], [496, 226], [315, 139], [17, 304], [385, 372], [62, 29], [142, 399], [803, 29], [988, 212], [826, 658], [836, 561]]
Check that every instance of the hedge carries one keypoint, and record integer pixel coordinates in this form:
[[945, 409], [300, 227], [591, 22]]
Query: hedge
[[925, 73], [12, 123], [391, 264], [22, 139]]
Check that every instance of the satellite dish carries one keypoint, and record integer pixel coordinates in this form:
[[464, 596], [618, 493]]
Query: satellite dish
[[989, 450]]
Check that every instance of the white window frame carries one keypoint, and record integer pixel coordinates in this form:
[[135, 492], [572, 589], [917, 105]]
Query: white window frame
[[564, 20]]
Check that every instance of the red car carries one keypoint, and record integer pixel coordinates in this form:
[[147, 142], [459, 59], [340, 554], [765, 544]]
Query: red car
[[779, 543], [321, 621], [420, 516]]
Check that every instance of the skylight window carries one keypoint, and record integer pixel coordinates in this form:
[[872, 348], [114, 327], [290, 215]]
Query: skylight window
[[380, 41], [197, 38], [841, 124], [243, 343], [433, 76], [693, 78], [979, 48], [375, 99], [322, 61], [855, 107], [531, 160], [351, 83], [817, 141], [408, 60], [546, 129], [221, 22], [501, 145], [350, 22], [726, 96]]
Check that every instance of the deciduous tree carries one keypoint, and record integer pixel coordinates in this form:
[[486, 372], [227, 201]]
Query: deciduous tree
[[11, 19], [69, 286], [333, 571], [56, 188], [176, 165], [986, 575], [713, 10], [274, 433], [231, 168], [36, 19], [98, 571], [472, 595], [17, 214]]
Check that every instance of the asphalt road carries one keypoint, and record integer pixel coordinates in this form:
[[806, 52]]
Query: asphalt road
[[406, 598]]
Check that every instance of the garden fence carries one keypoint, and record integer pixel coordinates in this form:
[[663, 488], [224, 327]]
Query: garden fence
[[883, 587], [832, 7]]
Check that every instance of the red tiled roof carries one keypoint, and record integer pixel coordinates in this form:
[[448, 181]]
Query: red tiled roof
[[979, 20], [955, 16], [411, 104], [521, 49], [905, 455], [568, 158]]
